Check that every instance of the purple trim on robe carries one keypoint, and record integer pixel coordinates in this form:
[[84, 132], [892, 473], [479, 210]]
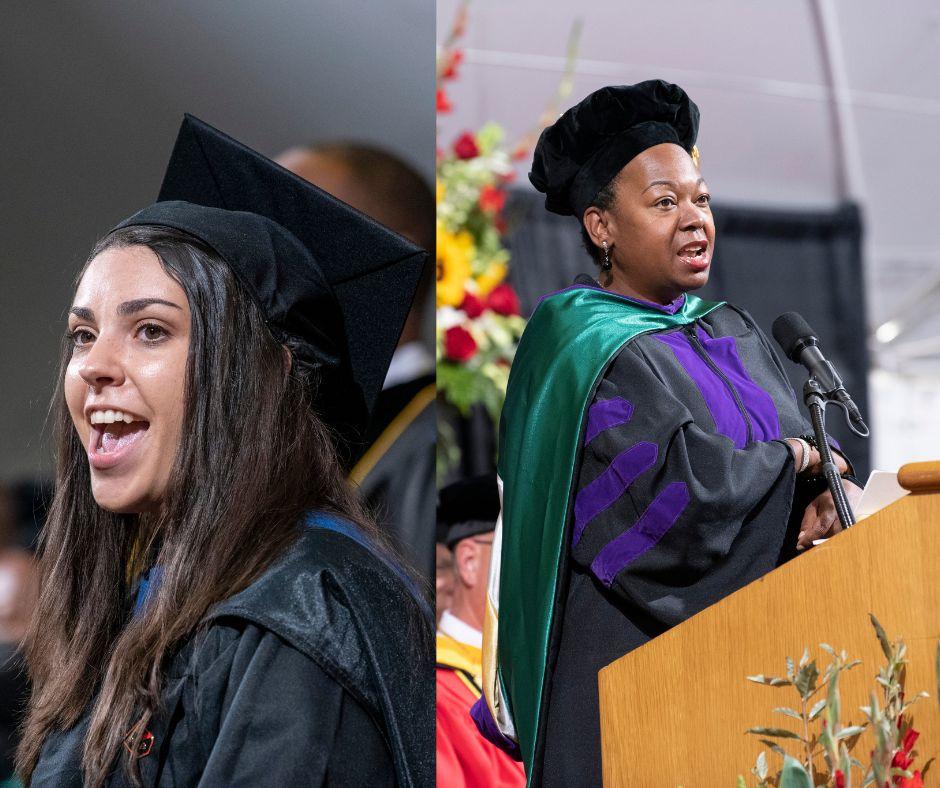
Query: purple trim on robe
[[489, 730], [606, 414], [670, 308], [721, 405], [607, 488], [765, 423], [652, 526]]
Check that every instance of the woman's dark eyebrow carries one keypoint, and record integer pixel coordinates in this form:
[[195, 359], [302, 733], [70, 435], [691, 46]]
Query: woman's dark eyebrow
[[83, 313], [138, 304], [126, 308], [699, 182]]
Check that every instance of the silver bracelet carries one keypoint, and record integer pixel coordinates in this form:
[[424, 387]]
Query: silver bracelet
[[805, 462]]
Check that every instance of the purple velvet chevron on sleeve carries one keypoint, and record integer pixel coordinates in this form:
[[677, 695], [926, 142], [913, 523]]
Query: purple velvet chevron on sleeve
[[645, 534], [489, 730], [606, 489], [605, 414]]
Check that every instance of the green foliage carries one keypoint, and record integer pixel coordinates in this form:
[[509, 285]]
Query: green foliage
[[464, 387], [806, 679], [779, 733], [821, 730], [770, 681], [794, 775]]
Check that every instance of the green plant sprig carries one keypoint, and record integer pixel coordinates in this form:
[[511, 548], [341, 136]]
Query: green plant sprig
[[833, 739], [806, 679]]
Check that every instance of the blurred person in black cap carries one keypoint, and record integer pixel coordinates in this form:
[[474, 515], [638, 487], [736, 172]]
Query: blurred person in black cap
[[467, 514], [652, 455], [396, 472], [215, 607]]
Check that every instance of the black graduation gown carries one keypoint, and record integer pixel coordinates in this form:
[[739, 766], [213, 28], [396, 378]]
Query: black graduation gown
[[685, 433], [316, 674], [400, 486]]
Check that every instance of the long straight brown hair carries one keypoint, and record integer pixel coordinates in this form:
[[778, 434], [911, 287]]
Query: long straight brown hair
[[253, 459]]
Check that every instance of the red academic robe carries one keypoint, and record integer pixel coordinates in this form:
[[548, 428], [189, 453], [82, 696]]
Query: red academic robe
[[464, 758]]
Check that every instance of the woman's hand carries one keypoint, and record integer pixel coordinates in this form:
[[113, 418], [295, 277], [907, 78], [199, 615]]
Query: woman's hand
[[820, 520]]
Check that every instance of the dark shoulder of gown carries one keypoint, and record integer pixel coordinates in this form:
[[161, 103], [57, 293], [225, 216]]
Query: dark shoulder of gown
[[244, 708], [283, 686], [400, 485], [686, 491]]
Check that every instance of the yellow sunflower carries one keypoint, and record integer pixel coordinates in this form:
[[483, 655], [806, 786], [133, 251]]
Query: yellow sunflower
[[454, 255], [492, 276]]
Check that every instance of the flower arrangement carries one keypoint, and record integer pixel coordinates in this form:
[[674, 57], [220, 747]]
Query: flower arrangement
[[478, 320], [478, 313], [821, 731]]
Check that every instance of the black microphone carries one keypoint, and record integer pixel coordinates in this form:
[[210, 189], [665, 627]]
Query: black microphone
[[799, 342]]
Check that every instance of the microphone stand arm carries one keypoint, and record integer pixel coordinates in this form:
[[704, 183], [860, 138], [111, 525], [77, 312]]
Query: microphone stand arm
[[815, 398]]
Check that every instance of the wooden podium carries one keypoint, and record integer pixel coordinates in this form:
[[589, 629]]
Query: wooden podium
[[674, 712]]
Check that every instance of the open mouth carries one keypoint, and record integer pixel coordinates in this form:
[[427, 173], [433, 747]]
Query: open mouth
[[114, 435], [695, 254]]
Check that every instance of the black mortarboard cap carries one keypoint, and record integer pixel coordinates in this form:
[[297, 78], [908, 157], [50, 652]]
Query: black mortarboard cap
[[331, 280], [588, 145], [467, 508]]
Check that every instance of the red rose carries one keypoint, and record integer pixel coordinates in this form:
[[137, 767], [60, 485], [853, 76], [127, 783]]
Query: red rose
[[459, 344], [911, 782], [472, 305], [492, 199], [466, 146], [840, 779], [443, 103], [503, 300]]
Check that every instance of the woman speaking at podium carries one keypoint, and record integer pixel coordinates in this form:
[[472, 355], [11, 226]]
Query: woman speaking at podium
[[653, 457]]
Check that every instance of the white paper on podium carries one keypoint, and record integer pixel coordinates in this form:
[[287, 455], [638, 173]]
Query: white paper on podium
[[881, 490]]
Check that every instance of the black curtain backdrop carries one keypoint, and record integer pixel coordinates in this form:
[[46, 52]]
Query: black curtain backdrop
[[766, 261]]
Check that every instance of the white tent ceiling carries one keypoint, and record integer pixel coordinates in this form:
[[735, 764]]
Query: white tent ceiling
[[804, 103]]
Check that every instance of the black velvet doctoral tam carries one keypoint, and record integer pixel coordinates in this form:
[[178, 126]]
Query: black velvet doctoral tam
[[588, 145]]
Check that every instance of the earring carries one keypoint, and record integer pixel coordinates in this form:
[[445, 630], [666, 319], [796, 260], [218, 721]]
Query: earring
[[606, 265]]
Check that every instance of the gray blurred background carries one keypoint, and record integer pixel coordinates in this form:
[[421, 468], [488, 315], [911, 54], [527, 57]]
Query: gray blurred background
[[92, 95]]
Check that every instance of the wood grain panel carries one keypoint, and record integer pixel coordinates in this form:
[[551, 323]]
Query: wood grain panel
[[674, 711]]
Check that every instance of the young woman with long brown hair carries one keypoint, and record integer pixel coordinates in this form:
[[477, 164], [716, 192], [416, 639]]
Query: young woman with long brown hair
[[214, 609]]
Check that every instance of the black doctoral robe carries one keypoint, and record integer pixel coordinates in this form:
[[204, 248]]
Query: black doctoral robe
[[686, 491], [319, 673]]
